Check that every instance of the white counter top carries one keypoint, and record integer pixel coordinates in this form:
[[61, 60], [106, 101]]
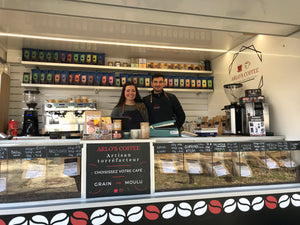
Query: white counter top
[[43, 140], [34, 141], [219, 139]]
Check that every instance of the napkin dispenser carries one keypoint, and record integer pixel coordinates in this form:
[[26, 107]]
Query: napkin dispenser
[[164, 129]]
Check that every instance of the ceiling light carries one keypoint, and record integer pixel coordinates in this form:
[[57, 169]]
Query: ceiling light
[[112, 43]]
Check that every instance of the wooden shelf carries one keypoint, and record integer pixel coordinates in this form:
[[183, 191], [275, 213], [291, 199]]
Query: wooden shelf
[[57, 86], [114, 68]]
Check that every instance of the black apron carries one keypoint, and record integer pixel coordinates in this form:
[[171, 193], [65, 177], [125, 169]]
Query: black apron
[[134, 119], [163, 110]]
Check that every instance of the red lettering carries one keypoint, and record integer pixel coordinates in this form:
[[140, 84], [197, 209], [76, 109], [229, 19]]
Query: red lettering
[[107, 149], [102, 149], [129, 148]]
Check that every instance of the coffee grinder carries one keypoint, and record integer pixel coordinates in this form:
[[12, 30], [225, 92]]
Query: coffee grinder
[[233, 111], [30, 124]]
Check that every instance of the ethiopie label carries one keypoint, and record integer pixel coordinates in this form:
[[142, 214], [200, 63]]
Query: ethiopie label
[[117, 169]]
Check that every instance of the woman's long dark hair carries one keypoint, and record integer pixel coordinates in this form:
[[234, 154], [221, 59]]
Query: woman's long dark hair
[[122, 97]]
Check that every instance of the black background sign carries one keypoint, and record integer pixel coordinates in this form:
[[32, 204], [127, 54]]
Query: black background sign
[[219, 147], [3, 152], [271, 146], [294, 145], [64, 151], [259, 146], [31, 152], [246, 146], [232, 146], [193, 147], [117, 169], [27, 152], [283, 145]]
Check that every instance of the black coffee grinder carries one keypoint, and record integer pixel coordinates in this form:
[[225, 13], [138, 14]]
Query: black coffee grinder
[[31, 123], [234, 110]]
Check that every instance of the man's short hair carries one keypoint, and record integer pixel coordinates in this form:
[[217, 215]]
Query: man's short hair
[[156, 75]]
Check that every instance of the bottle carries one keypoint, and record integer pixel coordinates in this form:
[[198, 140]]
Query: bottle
[[187, 126], [193, 126], [199, 123]]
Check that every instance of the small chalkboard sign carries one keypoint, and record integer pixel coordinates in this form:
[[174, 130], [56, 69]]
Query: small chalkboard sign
[[283, 145], [22, 152], [259, 146], [233, 146], [64, 151], [3, 152], [294, 145], [271, 146], [219, 147], [246, 146], [177, 147], [161, 148], [191, 147]]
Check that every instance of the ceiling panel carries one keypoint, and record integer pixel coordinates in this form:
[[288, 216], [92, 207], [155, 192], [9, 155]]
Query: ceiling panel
[[170, 23], [48, 25], [273, 11]]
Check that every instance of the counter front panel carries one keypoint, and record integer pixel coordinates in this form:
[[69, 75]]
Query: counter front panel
[[34, 173], [184, 166]]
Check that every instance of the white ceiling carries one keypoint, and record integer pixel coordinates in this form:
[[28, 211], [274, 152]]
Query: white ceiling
[[214, 24]]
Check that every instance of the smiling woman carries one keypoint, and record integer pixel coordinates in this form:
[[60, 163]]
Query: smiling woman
[[130, 106]]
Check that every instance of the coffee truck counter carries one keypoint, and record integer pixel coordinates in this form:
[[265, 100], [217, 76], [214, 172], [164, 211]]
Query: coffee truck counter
[[149, 181]]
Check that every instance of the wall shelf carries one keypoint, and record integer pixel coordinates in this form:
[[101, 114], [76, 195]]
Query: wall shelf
[[113, 68], [54, 86]]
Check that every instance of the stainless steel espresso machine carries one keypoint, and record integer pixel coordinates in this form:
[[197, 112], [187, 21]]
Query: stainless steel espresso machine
[[66, 118], [246, 115], [254, 109]]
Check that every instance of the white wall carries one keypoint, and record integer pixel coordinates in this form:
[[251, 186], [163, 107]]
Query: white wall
[[280, 68]]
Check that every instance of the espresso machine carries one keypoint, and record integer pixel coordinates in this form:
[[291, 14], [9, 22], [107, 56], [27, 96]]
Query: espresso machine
[[234, 110], [254, 108], [30, 123], [66, 118]]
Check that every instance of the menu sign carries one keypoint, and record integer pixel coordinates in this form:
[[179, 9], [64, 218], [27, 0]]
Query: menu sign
[[162, 148], [117, 169], [31, 152]]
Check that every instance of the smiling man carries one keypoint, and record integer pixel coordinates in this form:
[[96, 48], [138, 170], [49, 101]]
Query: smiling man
[[163, 106]]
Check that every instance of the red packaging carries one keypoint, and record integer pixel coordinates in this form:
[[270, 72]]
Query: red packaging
[[13, 132], [12, 124]]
